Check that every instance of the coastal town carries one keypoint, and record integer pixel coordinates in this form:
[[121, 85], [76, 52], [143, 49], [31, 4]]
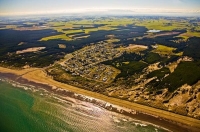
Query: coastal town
[[86, 62], [150, 65]]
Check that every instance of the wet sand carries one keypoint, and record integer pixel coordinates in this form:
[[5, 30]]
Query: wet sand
[[168, 120]]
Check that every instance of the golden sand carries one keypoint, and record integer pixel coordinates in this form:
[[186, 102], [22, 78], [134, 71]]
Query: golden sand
[[39, 76]]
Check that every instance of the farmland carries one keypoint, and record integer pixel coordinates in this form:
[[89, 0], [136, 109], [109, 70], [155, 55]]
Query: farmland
[[140, 59], [164, 50]]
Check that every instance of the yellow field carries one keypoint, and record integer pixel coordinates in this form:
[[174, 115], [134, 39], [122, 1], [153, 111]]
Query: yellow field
[[165, 50], [189, 34], [62, 37], [112, 40], [133, 48], [109, 25], [10, 27], [61, 46], [162, 24], [112, 23]]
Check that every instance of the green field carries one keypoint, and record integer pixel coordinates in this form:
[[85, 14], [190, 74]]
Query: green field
[[115, 56], [165, 50]]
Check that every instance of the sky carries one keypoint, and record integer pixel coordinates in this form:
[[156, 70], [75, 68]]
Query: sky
[[20, 7]]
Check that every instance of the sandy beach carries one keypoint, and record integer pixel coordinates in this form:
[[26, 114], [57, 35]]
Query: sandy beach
[[38, 75]]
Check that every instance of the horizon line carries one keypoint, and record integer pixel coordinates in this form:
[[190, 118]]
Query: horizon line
[[135, 11]]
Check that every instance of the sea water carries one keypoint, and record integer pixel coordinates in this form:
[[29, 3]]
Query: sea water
[[29, 109]]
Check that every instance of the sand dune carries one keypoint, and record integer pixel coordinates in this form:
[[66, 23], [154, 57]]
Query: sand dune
[[38, 75]]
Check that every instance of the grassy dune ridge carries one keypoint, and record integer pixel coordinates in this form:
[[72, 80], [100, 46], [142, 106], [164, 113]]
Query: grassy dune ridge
[[38, 75]]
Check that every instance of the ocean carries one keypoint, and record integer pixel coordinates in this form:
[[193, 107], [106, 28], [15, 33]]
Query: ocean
[[25, 108]]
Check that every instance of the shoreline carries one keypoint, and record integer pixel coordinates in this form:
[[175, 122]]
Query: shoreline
[[165, 119], [72, 97]]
